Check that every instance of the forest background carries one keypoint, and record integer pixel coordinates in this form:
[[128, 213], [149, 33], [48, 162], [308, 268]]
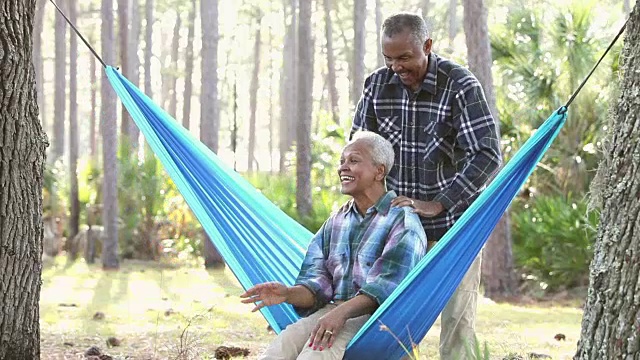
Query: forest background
[[236, 81]]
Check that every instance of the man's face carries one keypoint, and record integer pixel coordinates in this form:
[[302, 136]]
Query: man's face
[[357, 170], [406, 58]]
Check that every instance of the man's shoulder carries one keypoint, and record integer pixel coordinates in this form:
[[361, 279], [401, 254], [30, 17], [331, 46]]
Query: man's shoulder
[[460, 76]]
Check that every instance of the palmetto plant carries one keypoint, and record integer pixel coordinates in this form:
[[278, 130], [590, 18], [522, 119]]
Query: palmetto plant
[[540, 65]]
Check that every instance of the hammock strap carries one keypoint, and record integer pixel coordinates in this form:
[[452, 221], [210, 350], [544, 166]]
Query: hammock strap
[[573, 96], [80, 35]]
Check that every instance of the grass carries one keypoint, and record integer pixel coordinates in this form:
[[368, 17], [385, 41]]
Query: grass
[[167, 312]]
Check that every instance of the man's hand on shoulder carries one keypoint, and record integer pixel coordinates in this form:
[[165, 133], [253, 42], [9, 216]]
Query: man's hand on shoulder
[[422, 208]]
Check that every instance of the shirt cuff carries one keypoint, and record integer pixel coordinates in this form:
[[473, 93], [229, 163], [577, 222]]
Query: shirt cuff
[[446, 201], [375, 292]]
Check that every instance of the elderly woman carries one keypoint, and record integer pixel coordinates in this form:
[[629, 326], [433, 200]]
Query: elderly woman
[[353, 263]]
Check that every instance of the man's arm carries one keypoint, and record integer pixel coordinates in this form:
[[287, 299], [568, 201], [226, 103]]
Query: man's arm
[[477, 135]]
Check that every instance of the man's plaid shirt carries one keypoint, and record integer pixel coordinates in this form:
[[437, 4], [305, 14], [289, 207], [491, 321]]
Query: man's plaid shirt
[[445, 140]]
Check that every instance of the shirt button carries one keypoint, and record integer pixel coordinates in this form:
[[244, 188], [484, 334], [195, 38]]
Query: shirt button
[[411, 123]]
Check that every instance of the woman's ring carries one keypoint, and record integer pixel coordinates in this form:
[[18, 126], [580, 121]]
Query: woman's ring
[[329, 332]]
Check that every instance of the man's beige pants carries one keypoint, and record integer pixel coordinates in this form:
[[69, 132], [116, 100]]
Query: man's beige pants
[[293, 342], [458, 319]]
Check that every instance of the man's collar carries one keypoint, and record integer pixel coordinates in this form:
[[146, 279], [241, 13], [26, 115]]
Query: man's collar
[[429, 82]]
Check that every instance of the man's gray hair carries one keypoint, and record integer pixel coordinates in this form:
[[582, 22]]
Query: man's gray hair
[[400, 22], [380, 148]]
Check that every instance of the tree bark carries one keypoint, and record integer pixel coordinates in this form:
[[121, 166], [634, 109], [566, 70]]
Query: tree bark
[[148, 45], [109, 142], [497, 263], [60, 80], [173, 76], [611, 321], [303, 130], [331, 63], [94, 108], [288, 85], [359, 50], [379, 20], [253, 94], [426, 6], [22, 162], [123, 48], [133, 64], [74, 202], [38, 63], [209, 104], [188, 76], [453, 22]]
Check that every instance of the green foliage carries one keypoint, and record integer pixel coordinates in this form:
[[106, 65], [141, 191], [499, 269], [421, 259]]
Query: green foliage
[[552, 240], [325, 157], [540, 66], [151, 208]]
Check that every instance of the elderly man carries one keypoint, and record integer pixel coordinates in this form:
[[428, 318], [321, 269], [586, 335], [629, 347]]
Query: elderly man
[[353, 263]]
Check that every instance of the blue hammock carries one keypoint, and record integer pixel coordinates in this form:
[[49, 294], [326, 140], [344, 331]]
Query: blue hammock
[[261, 243]]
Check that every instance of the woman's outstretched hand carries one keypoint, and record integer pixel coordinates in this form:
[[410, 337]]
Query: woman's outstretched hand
[[266, 294]]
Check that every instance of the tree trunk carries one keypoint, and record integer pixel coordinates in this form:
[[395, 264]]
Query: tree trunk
[[272, 80], [303, 130], [94, 107], [253, 95], [133, 65], [288, 85], [123, 48], [426, 6], [359, 50], [173, 76], [453, 22], [611, 322], [331, 63], [497, 263], [188, 83], [209, 105], [148, 46], [22, 162], [74, 202], [60, 80], [626, 7], [109, 142], [38, 25], [379, 20]]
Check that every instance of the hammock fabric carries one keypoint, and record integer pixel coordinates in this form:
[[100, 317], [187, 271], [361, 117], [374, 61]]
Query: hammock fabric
[[261, 243]]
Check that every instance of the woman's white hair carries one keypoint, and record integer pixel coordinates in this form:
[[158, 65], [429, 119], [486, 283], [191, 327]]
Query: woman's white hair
[[380, 148]]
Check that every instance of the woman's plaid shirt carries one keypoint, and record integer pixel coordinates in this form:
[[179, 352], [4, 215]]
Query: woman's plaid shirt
[[353, 254], [446, 141]]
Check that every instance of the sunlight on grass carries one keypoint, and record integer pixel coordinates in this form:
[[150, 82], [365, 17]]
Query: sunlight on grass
[[148, 306]]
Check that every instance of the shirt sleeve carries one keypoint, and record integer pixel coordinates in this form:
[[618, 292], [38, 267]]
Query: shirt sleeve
[[477, 136], [313, 272], [406, 245]]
